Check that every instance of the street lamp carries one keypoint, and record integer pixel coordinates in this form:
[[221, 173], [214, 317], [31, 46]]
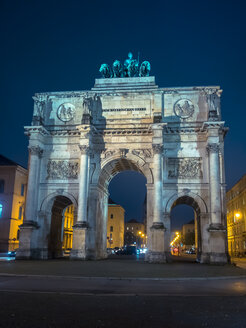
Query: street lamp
[[238, 215]]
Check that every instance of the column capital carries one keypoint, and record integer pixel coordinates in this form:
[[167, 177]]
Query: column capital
[[213, 148], [35, 150], [84, 149], [157, 148]]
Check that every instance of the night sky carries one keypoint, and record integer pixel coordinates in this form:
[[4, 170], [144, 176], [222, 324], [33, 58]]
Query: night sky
[[59, 46]]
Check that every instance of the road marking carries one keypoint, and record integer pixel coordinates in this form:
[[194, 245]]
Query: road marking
[[119, 294]]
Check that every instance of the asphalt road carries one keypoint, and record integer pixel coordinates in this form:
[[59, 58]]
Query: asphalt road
[[32, 301]]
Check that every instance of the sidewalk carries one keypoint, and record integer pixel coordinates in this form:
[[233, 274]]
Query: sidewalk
[[118, 268], [239, 261]]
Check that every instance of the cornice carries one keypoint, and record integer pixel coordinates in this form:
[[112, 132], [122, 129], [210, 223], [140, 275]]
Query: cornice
[[36, 129]]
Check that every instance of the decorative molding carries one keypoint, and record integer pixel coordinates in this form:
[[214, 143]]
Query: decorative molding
[[213, 148], [84, 149], [157, 148], [66, 133], [35, 129], [134, 132], [123, 152], [108, 153], [35, 150], [62, 169], [185, 168], [65, 112], [143, 153], [184, 108]]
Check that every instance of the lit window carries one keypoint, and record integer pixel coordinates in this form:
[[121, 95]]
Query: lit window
[[1, 186], [22, 189], [1, 210], [111, 229], [127, 228]]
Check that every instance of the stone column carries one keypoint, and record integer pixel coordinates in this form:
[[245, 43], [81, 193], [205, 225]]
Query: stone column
[[217, 239], [157, 220], [80, 229], [83, 186], [214, 181], [157, 252], [30, 214]]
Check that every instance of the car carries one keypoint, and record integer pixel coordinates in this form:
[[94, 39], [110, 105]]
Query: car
[[12, 254], [117, 250]]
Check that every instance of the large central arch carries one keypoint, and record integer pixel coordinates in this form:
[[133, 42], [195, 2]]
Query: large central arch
[[98, 197]]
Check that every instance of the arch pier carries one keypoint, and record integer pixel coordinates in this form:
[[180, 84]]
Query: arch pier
[[79, 141]]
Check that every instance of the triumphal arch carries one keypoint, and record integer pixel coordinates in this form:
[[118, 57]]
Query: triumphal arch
[[80, 140]]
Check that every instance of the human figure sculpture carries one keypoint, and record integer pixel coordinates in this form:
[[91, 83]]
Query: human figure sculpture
[[130, 66]]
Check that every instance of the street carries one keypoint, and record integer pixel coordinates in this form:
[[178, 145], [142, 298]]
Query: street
[[121, 293]]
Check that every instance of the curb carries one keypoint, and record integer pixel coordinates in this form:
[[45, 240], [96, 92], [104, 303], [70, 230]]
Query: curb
[[124, 278]]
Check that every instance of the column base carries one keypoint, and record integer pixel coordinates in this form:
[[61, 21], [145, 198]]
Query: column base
[[156, 257], [78, 251], [214, 258], [25, 250], [157, 252]]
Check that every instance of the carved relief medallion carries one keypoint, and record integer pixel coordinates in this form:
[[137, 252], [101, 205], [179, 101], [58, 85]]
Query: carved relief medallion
[[62, 169], [65, 112], [185, 168], [184, 108]]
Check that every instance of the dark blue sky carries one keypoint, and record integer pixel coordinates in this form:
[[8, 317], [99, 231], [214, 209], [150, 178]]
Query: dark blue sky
[[59, 45]]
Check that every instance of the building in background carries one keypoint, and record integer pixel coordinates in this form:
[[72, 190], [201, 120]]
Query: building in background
[[188, 234], [13, 185], [115, 225], [68, 222], [135, 233], [236, 218]]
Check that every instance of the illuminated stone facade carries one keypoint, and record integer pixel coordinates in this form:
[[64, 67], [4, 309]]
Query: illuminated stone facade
[[236, 218], [13, 184], [115, 226], [80, 140]]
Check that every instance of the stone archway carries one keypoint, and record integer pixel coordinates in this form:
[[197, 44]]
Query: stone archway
[[98, 200], [51, 222], [174, 136], [201, 221]]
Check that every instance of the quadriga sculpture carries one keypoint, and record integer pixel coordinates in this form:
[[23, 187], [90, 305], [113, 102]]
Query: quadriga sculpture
[[117, 68], [105, 70], [144, 68], [130, 68]]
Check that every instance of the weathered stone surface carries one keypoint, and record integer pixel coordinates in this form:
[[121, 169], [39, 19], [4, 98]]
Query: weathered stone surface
[[85, 138]]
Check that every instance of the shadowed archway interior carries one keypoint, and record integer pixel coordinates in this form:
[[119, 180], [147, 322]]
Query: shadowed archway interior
[[56, 227], [189, 201]]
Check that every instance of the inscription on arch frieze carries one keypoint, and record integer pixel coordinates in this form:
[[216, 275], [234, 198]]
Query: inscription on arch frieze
[[185, 168], [57, 169]]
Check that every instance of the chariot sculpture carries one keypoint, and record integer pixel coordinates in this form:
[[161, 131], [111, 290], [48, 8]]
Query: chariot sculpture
[[130, 68]]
